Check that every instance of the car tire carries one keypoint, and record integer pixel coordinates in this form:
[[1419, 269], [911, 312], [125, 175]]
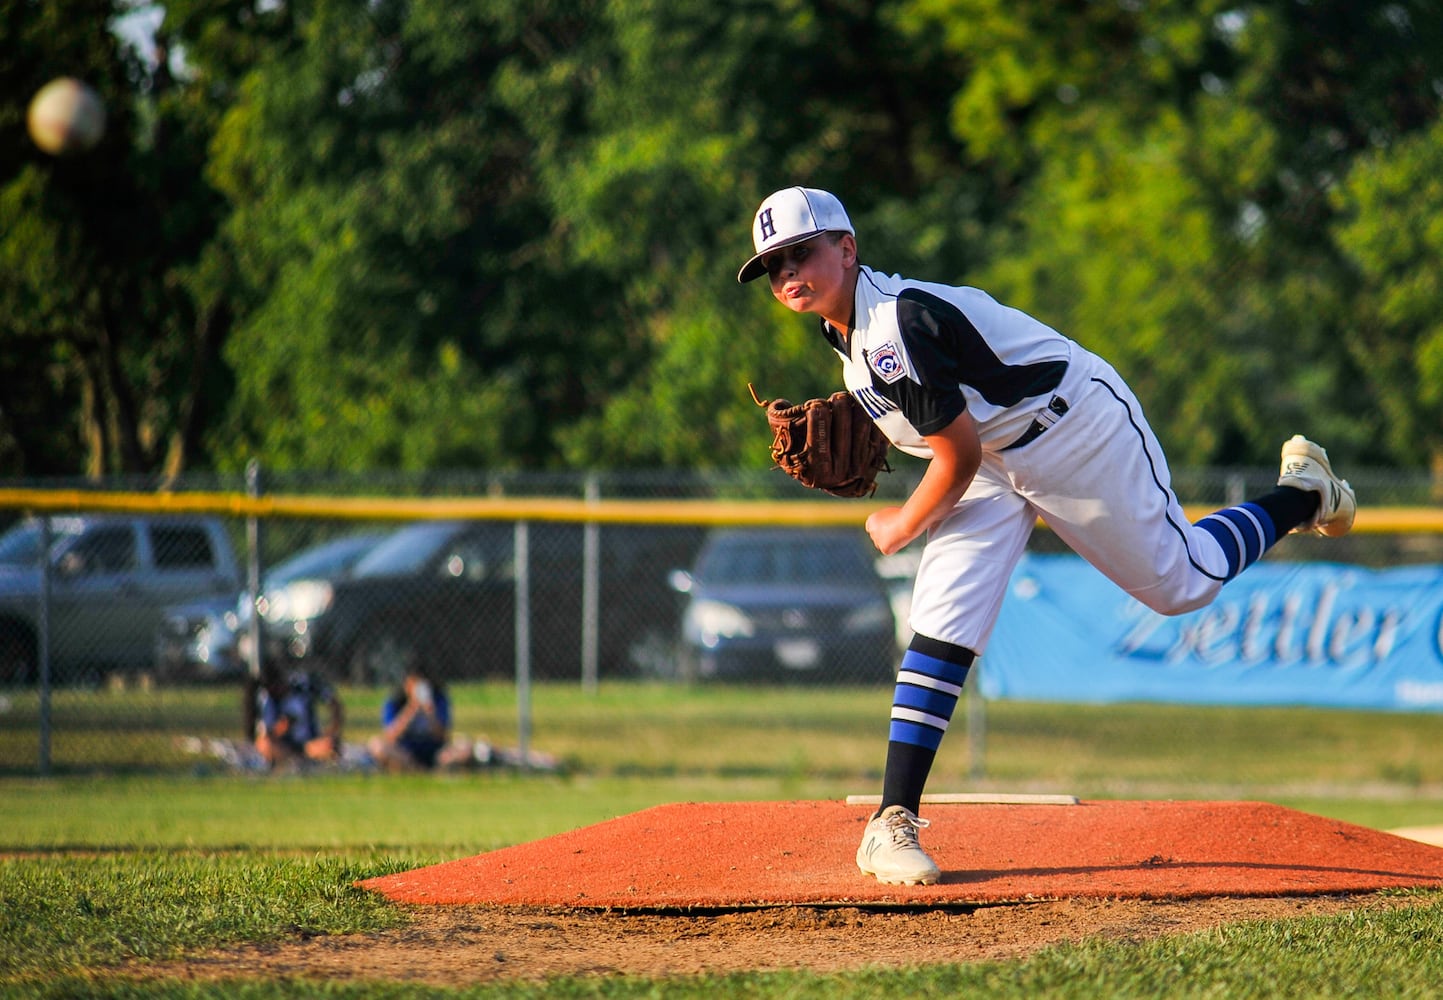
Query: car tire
[[382, 656]]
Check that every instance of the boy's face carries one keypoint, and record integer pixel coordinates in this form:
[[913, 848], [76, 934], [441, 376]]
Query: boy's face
[[812, 277]]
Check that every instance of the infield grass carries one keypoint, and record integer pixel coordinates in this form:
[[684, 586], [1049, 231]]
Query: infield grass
[[176, 856]]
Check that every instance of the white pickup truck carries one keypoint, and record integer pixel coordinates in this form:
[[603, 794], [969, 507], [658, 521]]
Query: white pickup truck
[[111, 577]]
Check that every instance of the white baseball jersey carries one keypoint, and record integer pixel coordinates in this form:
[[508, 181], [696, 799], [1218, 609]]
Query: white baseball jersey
[[921, 353], [1063, 438]]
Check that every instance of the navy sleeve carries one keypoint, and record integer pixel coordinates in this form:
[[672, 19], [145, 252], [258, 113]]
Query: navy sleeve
[[947, 352], [935, 399]]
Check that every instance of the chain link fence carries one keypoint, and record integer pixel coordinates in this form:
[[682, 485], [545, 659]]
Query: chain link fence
[[141, 642]]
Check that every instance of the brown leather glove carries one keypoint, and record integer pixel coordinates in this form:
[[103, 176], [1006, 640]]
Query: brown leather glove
[[828, 444]]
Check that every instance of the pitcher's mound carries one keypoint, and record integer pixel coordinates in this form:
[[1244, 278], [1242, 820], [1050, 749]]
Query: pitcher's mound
[[754, 854]]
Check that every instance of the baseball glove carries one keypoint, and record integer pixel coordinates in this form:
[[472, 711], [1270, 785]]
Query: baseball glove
[[827, 444]]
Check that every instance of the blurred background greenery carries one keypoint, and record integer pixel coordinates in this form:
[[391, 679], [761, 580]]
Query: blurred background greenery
[[439, 234], [629, 746]]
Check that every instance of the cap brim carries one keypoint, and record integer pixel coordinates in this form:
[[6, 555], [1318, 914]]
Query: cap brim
[[754, 268]]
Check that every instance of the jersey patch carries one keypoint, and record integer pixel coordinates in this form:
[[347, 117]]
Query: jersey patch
[[886, 361]]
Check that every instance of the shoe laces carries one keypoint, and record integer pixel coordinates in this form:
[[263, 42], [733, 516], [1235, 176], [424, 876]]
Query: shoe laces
[[902, 827]]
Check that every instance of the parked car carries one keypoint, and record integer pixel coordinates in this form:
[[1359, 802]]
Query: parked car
[[415, 595], [21, 544], [785, 604], [204, 640], [443, 594], [110, 579]]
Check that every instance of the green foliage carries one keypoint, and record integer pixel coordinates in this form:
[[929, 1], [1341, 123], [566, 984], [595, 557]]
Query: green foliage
[[394, 247], [1392, 231], [100, 335], [1133, 266], [342, 235], [695, 411], [1171, 214]]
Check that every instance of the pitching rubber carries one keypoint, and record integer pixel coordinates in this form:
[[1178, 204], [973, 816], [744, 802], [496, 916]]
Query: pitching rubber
[[974, 798]]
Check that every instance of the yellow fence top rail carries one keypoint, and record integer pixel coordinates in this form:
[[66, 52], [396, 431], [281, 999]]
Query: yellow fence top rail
[[515, 508], [1378, 520]]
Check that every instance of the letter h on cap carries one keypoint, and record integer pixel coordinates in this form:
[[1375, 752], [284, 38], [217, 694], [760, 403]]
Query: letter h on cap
[[765, 221]]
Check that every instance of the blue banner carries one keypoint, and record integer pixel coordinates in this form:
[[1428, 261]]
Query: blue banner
[[1279, 634]]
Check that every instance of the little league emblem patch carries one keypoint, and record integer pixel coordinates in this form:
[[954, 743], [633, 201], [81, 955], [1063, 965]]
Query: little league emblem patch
[[886, 361]]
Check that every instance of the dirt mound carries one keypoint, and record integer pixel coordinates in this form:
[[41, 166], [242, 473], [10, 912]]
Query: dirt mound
[[737, 855], [463, 945]]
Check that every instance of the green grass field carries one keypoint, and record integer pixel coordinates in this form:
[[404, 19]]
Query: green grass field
[[163, 854]]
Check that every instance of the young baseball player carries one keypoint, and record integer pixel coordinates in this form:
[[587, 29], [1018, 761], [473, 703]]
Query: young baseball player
[[1018, 422]]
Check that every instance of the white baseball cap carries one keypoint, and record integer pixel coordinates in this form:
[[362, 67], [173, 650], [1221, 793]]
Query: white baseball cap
[[792, 215]]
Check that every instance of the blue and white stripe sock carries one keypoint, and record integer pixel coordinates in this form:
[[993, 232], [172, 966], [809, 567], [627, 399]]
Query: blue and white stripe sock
[[925, 698], [1243, 532], [928, 686]]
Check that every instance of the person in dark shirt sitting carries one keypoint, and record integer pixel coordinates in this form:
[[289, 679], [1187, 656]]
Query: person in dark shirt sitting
[[416, 728], [288, 727]]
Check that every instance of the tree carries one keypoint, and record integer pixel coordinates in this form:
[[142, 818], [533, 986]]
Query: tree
[[107, 361], [1390, 226], [334, 234], [706, 109], [1172, 159], [405, 304]]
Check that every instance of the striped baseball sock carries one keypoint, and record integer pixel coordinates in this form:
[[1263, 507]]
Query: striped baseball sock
[[928, 686], [1248, 530]]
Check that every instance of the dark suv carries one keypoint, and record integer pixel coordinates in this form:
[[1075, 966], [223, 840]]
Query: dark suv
[[443, 594], [111, 577], [786, 604]]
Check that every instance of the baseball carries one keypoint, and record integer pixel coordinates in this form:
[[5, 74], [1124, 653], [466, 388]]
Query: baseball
[[66, 116]]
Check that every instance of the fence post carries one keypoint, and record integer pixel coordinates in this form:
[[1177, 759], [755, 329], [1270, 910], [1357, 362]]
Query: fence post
[[1237, 489], [591, 595], [42, 645], [976, 726], [523, 641], [253, 593]]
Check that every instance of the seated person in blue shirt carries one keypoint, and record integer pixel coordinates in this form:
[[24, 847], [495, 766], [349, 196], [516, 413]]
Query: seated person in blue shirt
[[416, 728], [288, 725]]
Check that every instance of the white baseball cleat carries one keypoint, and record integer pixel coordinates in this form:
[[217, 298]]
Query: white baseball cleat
[[1305, 467], [891, 852]]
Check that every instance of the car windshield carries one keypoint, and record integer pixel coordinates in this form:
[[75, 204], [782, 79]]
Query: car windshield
[[323, 560], [20, 546], [789, 560], [405, 552]]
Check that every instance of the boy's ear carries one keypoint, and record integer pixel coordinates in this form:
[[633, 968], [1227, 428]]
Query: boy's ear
[[848, 247]]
